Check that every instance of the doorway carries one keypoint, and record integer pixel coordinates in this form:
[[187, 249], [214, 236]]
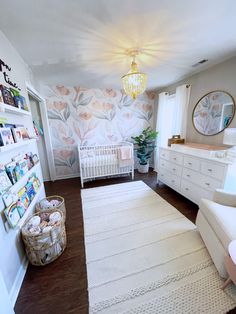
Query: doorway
[[40, 133]]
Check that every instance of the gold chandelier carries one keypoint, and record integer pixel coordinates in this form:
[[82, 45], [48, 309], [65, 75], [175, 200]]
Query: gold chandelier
[[134, 82]]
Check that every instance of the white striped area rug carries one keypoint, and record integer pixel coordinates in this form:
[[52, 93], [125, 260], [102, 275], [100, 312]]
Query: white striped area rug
[[144, 256]]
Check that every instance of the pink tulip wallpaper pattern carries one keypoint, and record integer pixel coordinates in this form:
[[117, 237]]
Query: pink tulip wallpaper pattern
[[92, 116]]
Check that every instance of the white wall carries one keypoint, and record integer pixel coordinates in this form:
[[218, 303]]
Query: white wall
[[219, 77], [12, 256]]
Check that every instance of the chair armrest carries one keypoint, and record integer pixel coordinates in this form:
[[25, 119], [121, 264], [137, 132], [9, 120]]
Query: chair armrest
[[224, 198]]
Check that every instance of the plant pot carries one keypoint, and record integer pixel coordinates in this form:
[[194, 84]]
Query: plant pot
[[143, 168]]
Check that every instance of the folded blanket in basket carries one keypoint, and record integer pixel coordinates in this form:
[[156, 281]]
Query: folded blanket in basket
[[125, 156]]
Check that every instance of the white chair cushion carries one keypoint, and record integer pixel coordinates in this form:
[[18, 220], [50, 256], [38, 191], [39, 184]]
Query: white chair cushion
[[222, 219]]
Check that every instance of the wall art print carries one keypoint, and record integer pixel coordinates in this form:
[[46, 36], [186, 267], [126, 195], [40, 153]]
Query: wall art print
[[92, 116]]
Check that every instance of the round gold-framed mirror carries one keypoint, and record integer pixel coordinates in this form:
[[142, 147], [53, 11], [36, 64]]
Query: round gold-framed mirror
[[213, 113]]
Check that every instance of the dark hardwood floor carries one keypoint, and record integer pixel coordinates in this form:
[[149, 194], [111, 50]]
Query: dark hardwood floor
[[61, 287]]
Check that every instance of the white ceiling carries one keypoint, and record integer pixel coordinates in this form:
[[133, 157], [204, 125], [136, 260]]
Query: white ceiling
[[83, 42]]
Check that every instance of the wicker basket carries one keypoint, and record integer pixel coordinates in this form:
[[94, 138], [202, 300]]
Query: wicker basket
[[44, 248], [61, 207]]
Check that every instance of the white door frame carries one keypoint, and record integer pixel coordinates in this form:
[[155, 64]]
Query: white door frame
[[43, 110], [6, 306]]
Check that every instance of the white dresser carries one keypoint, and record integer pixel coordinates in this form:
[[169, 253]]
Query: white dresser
[[194, 173]]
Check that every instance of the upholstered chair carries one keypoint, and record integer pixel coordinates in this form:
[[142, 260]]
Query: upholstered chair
[[216, 222]]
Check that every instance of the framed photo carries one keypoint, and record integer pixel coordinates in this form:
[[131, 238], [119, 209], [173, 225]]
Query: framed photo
[[6, 136]]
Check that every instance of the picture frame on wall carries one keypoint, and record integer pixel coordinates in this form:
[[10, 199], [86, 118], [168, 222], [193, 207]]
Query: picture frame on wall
[[6, 137]]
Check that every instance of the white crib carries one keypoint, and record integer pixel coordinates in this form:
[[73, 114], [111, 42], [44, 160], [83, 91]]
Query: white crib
[[104, 160]]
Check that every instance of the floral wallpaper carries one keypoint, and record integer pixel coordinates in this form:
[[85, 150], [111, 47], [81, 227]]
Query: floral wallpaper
[[92, 116]]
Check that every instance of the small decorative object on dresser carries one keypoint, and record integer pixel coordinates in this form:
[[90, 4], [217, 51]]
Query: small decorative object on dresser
[[230, 264], [144, 145], [195, 170], [176, 139]]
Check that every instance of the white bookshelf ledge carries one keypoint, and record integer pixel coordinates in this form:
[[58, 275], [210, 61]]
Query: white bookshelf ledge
[[12, 109], [16, 145]]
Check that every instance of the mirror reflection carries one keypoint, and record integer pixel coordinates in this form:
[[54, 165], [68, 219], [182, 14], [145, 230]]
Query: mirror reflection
[[213, 113]]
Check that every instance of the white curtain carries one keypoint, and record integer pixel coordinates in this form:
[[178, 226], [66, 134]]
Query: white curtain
[[172, 113], [181, 102], [160, 123]]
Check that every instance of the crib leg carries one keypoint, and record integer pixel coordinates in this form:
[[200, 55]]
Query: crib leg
[[82, 182], [133, 174]]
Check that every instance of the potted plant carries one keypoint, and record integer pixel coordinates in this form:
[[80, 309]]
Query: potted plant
[[144, 145]]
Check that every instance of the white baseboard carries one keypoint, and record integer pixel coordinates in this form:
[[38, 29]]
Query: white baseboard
[[18, 281], [68, 176]]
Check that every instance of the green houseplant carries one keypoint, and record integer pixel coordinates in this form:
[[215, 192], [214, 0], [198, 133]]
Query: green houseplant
[[144, 146]]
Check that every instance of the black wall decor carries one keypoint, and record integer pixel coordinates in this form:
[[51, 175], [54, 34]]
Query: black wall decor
[[4, 66]]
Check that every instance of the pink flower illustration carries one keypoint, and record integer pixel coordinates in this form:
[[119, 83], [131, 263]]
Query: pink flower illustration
[[146, 107], [63, 90], [68, 140], [85, 115], [64, 153], [203, 114], [127, 115], [107, 106], [59, 105], [151, 95], [110, 92], [216, 107]]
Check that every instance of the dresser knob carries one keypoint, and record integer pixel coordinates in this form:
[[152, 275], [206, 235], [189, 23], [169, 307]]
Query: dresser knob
[[209, 170], [207, 183], [188, 175], [190, 163], [173, 181], [174, 158], [173, 169], [186, 189]]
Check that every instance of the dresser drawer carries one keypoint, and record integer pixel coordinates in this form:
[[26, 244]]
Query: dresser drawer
[[169, 178], [163, 175], [170, 166], [190, 175], [174, 182], [201, 180], [164, 153], [163, 163], [175, 169], [194, 192], [192, 163], [212, 170], [176, 158]]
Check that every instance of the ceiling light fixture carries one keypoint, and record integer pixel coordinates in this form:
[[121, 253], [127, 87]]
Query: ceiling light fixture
[[134, 82]]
